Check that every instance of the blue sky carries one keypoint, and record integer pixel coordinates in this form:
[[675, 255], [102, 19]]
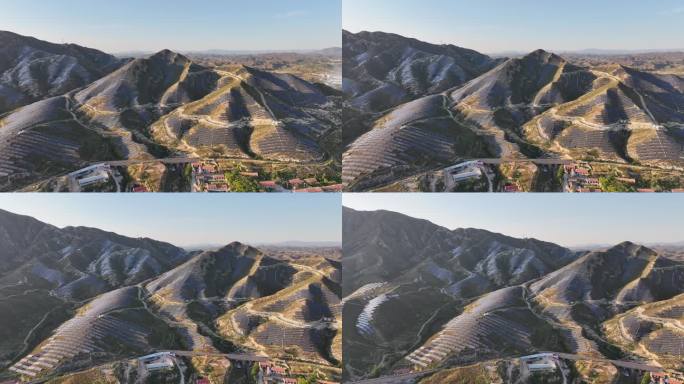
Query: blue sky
[[152, 25], [191, 219], [526, 25], [566, 219]]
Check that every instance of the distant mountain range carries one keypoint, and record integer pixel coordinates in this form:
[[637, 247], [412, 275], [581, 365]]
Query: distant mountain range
[[95, 107], [420, 295], [127, 297], [331, 51], [414, 106]]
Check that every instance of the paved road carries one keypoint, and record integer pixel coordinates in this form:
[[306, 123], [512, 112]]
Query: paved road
[[618, 363], [395, 378], [229, 356], [536, 161]]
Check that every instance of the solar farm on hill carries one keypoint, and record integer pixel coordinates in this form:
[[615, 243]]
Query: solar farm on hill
[[426, 304], [80, 303], [413, 109], [154, 122]]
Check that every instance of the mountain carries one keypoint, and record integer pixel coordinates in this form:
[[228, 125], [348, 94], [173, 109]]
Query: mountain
[[32, 70], [45, 271], [78, 297], [382, 70], [420, 296], [166, 105], [395, 266], [534, 106], [244, 297]]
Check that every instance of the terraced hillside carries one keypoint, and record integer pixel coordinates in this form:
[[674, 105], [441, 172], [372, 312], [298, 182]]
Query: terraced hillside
[[382, 70], [73, 298], [405, 278], [112, 325], [47, 272], [239, 297], [420, 297], [535, 106], [163, 106], [33, 70]]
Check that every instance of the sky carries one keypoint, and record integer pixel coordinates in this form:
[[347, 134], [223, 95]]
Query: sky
[[191, 219], [492, 26], [565, 219], [180, 25]]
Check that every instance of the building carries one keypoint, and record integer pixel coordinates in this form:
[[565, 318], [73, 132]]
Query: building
[[333, 188], [295, 183], [202, 380], [90, 169], [164, 364], [98, 177], [268, 185], [511, 188], [278, 370], [538, 367], [311, 181], [475, 173]]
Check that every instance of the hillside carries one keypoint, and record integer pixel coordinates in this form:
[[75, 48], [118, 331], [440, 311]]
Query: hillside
[[535, 106], [421, 296], [382, 70], [78, 297], [46, 271], [32, 70], [165, 105]]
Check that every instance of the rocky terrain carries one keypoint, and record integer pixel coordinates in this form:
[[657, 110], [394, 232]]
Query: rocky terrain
[[423, 296], [74, 298]]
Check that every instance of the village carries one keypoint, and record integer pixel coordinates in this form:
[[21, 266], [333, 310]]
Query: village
[[169, 367], [210, 176]]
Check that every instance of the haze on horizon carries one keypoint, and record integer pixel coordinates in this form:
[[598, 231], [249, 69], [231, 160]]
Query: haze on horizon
[[570, 220], [499, 26], [189, 220], [152, 25]]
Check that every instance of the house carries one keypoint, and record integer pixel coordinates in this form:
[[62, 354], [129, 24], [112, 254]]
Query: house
[[139, 189], [678, 190], [582, 171], [314, 189], [311, 181], [217, 188], [278, 370], [250, 174], [646, 190], [295, 183], [202, 381], [511, 188], [333, 188], [268, 185], [288, 380]]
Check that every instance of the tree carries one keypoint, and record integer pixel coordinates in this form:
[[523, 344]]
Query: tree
[[646, 379]]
